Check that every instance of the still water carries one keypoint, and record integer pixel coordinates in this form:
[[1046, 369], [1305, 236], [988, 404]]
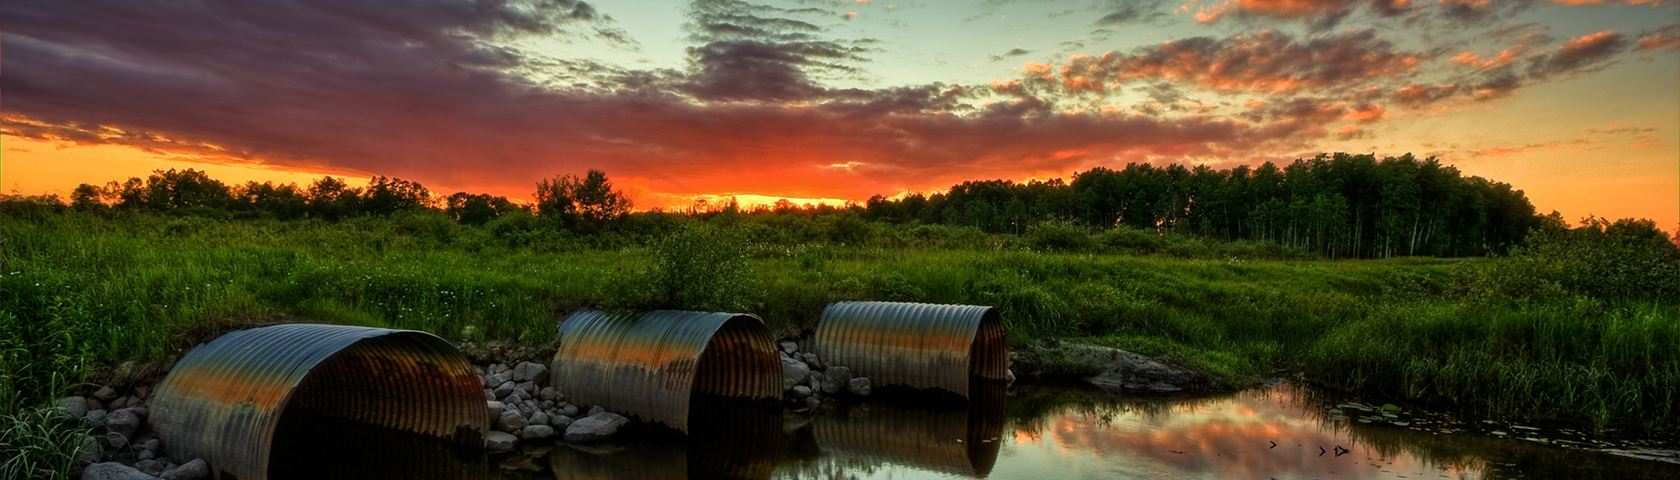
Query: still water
[[1281, 432]]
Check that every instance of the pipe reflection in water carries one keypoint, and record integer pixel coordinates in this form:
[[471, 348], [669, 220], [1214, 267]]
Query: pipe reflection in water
[[955, 439], [727, 438], [313, 446]]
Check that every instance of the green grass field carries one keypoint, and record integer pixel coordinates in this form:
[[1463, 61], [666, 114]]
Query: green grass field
[[82, 293]]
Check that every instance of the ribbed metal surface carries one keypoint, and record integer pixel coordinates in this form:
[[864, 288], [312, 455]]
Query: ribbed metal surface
[[961, 441], [915, 345], [725, 440], [648, 365], [226, 399]]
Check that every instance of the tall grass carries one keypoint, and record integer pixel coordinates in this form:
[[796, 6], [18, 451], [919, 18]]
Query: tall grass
[[142, 288]]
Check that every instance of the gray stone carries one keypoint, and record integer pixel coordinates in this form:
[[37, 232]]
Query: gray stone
[[105, 393], [499, 441], [1110, 369], [568, 409], [124, 421], [811, 360], [530, 372], [489, 395], [538, 418], [548, 393], [596, 410], [496, 409], [816, 381], [90, 452], [835, 379], [504, 389], [789, 347], [511, 421], [96, 417], [150, 444], [859, 386], [117, 404], [560, 422], [145, 455], [526, 388], [1009, 376], [73, 407], [514, 398], [153, 466], [113, 471], [142, 391], [115, 440], [95, 404], [193, 470], [536, 432], [800, 391], [595, 427], [793, 373]]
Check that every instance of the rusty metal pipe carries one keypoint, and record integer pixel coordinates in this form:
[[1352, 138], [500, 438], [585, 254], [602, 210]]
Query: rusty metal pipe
[[917, 345], [650, 365], [226, 399]]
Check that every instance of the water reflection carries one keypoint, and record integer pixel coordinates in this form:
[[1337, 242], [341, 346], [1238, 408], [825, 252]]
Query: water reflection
[[957, 439], [1032, 432], [727, 439], [313, 446]]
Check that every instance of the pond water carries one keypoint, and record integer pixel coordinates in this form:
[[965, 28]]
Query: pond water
[[1280, 431]]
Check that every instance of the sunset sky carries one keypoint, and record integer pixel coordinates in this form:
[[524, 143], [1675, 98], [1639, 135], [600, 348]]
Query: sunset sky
[[1576, 102]]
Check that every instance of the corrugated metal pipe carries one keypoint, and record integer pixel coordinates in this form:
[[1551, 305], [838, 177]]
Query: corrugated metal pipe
[[225, 401], [962, 441], [650, 365], [917, 345]]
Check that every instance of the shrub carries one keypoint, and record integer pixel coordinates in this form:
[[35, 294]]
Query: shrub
[[1622, 260], [1058, 235]]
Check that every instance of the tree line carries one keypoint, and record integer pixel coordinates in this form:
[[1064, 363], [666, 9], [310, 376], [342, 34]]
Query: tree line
[[1338, 205]]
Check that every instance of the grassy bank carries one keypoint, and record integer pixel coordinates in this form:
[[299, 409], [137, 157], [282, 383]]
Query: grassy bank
[[82, 293]]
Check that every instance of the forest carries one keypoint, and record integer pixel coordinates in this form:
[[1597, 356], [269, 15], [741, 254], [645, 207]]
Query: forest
[[1334, 206]]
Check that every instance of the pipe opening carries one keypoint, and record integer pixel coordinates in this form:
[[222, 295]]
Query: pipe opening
[[735, 349], [988, 355], [384, 407]]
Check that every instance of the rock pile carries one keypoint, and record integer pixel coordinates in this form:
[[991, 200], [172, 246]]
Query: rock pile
[[121, 444], [523, 408], [807, 382]]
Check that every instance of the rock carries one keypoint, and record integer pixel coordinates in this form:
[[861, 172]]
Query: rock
[[835, 379], [811, 359], [504, 389], [124, 421], [1009, 377], [496, 442], [142, 391], [150, 444], [117, 404], [568, 409], [105, 393], [96, 417], [90, 452], [595, 428], [73, 407], [800, 391], [538, 418], [596, 410], [816, 381], [526, 389], [536, 432], [489, 395], [95, 404], [530, 372], [548, 394], [560, 422], [514, 398], [145, 455], [789, 347], [794, 372], [1110, 369], [511, 421], [115, 440], [859, 386], [496, 409], [113, 471], [153, 466]]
